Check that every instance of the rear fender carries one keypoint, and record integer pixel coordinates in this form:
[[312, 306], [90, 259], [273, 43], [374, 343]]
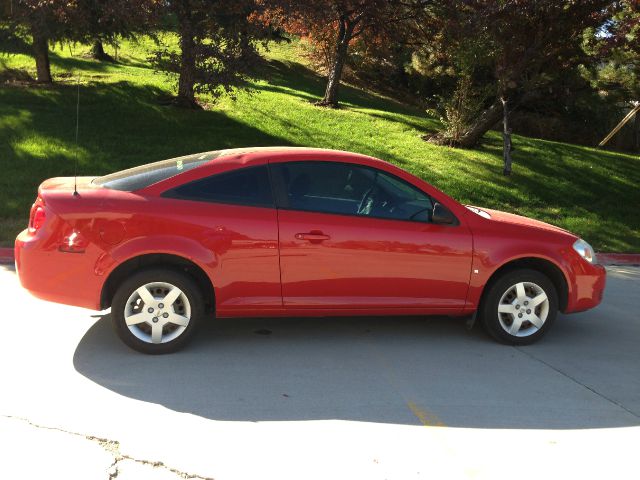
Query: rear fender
[[167, 244]]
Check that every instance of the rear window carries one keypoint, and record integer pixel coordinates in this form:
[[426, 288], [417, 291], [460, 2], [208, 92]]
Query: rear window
[[248, 186], [145, 175]]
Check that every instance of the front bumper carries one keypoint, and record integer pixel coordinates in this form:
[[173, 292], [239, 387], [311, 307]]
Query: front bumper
[[587, 289]]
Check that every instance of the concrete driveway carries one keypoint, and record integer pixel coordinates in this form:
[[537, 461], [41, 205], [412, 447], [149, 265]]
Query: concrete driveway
[[366, 398]]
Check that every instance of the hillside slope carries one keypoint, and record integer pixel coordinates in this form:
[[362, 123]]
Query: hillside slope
[[591, 192]]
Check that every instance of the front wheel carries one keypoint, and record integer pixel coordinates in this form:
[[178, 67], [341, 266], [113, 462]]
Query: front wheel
[[520, 307], [157, 311]]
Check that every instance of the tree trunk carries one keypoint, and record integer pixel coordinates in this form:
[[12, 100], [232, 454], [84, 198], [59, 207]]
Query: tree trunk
[[636, 132], [97, 52], [41, 55], [490, 117], [472, 135], [485, 122], [187, 79], [506, 138], [342, 45]]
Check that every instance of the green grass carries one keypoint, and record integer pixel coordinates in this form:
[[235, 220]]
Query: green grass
[[591, 192]]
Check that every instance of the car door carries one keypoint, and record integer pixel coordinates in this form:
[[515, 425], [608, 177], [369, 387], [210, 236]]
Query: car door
[[232, 214], [352, 236]]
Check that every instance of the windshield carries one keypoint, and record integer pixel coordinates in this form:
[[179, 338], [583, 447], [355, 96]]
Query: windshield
[[145, 175], [478, 211]]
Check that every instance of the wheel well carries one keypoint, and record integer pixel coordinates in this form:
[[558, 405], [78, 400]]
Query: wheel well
[[163, 260], [543, 266]]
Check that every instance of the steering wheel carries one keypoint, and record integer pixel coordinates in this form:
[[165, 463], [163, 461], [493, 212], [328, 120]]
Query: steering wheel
[[369, 200], [414, 215], [364, 201]]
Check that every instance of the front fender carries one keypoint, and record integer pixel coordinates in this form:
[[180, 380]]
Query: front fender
[[485, 266]]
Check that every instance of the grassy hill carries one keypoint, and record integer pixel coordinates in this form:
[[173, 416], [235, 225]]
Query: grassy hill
[[591, 192]]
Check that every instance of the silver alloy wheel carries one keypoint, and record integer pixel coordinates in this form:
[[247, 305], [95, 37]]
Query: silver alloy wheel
[[523, 309], [157, 312]]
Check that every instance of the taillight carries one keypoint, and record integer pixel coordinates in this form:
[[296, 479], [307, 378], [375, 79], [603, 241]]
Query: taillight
[[38, 216], [73, 243]]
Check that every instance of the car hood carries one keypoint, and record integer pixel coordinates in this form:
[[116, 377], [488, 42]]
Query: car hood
[[518, 220]]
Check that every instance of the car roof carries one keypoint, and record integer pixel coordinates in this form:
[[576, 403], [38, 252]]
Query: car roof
[[284, 150], [240, 156], [219, 161]]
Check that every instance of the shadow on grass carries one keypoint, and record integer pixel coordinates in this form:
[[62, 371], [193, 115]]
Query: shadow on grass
[[294, 79], [76, 63], [419, 122], [601, 176], [121, 125], [298, 80], [592, 192], [310, 137]]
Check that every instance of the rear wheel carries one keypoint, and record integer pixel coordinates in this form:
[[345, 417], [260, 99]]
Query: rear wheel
[[520, 307], [157, 311]]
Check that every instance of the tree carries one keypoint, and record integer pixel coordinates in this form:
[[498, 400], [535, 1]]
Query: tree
[[45, 21], [97, 21], [217, 47], [334, 24], [524, 44]]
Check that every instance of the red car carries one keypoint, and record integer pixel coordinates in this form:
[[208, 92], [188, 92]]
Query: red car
[[293, 232]]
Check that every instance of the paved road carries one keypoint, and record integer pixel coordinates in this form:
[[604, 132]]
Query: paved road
[[381, 398]]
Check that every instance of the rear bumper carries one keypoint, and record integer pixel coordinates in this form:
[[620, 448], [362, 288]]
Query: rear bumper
[[587, 288], [56, 276]]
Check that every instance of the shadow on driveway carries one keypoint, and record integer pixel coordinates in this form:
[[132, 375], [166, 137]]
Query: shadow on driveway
[[405, 370]]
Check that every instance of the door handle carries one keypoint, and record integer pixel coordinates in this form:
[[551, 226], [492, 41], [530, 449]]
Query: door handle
[[313, 237]]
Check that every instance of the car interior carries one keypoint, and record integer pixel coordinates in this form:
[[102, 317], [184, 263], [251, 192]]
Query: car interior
[[353, 190]]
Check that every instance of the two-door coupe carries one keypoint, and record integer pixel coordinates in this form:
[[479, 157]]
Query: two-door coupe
[[292, 232]]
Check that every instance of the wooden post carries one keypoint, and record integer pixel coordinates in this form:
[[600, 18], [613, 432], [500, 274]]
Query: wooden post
[[636, 133], [506, 138], [622, 123]]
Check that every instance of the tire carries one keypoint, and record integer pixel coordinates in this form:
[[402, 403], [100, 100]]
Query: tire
[[147, 324], [514, 293]]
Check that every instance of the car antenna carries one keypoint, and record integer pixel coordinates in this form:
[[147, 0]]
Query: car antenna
[[75, 163]]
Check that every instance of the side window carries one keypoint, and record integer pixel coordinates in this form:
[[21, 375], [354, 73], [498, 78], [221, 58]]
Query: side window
[[349, 189], [247, 186], [326, 187], [395, 198]]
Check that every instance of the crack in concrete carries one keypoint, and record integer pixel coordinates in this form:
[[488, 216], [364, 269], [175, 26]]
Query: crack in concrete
[[113, 448], [566, 375]]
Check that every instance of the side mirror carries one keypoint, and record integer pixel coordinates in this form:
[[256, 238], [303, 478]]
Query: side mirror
[[442, 216]]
